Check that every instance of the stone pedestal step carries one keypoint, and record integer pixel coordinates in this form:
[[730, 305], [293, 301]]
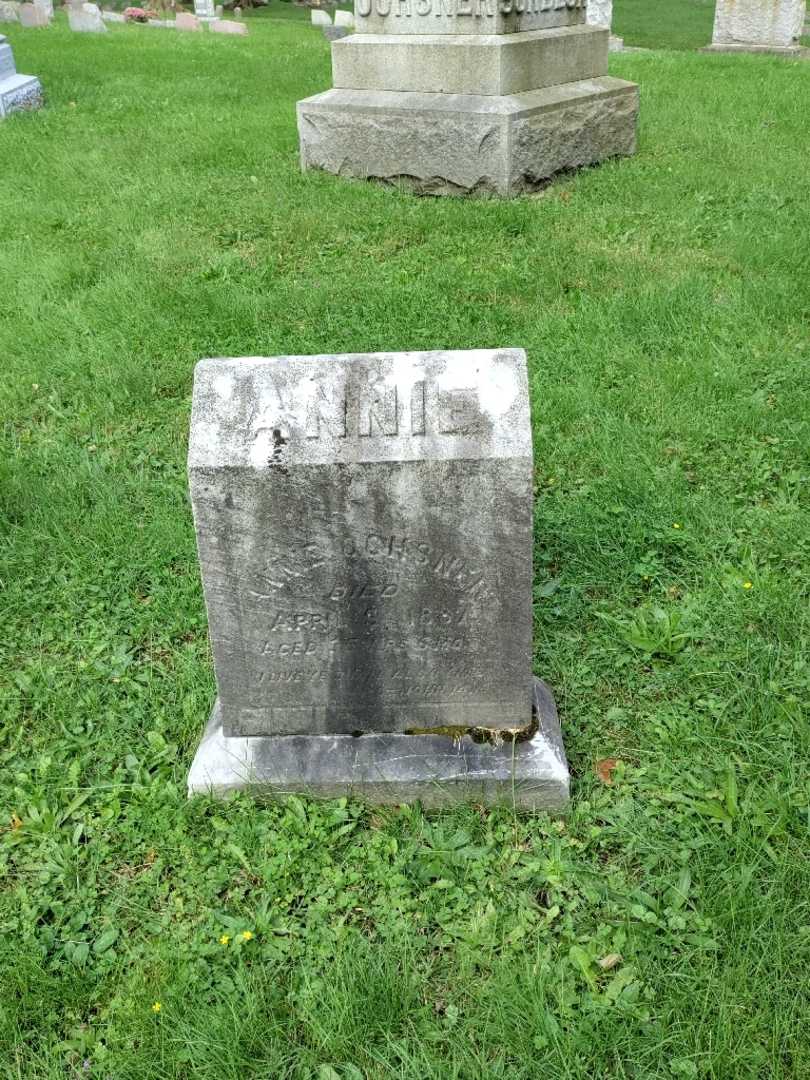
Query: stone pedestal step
[[457, 144], [470, 64]]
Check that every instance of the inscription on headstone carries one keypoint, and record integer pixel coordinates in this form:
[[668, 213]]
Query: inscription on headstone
[[364, 525]]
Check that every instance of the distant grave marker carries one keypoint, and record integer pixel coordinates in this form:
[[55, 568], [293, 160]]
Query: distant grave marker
[[18, 93]]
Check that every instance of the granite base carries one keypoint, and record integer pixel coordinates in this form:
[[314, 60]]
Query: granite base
[[792, 52], [19, 93], [461, 144], [434, 769]]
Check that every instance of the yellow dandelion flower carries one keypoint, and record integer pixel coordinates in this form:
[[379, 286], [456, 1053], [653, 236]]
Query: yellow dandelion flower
[[156, 1006], [748, 584], [247, 935], [225, 939], [676, 524]]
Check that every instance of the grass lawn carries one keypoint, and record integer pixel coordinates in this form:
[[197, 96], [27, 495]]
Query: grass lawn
[[664, 24], [153, 214]]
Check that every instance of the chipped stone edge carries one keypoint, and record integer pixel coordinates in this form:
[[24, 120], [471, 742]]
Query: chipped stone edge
[[391, 768]]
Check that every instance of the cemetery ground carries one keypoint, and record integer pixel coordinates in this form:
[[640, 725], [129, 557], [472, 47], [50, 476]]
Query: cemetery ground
[[153, 214]]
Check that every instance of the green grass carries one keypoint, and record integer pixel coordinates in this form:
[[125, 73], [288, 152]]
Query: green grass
[[664, 24], [153, 214]]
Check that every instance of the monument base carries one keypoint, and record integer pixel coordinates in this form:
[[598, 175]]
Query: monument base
[[459, 144], [437, 770], [19, 92], [790, 51]]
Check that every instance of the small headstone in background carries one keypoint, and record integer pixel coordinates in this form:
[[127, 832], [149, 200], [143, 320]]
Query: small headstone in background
[[46, 6], [186, 21], [600, 13], [9, 11], [364, 524], [218, 11], [17, 92], [31, 15], [758, 26], [204, 10], [222, 26], [86, 19], [344, 18], [237, 12], [320, 18], [7, 66]]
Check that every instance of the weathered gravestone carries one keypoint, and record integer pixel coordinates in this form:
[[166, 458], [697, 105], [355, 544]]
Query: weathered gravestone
[[85, 19], [600, 13], [17, 92], [344, 18], [9, 11], [772, 26], [224, 26], [185, 21], [461, 96], [205, 10], [320, 18], [32, 16], [364, 524]]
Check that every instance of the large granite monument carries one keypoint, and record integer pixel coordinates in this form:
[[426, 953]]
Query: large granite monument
[[460, 96], [17, 92], [364, 524], [772, 26]]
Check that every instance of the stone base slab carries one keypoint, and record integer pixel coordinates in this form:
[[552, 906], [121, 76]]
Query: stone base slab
[[18, 92], [470, 64], [459, 144], [434, 769], [790, 51]]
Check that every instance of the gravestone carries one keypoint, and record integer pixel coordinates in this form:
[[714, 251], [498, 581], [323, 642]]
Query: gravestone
[[32, 16], [9, 11], [185, 21], [17, 92], [85, 19], [364, 525], [46, 6], [758, 26], [204, 10], [320, 18], [468, 96], [600, 13], [344, 18], [222, 26]]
